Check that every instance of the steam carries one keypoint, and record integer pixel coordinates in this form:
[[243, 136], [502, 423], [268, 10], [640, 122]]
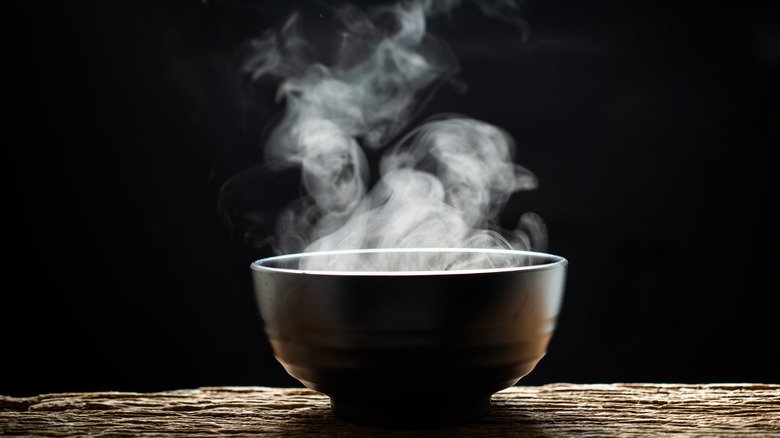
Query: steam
[[443, 184]]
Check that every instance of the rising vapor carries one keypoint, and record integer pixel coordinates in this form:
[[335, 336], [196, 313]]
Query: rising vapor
[[357, 85]]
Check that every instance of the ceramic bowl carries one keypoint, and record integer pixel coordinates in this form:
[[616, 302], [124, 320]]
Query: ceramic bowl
[[409, 348]]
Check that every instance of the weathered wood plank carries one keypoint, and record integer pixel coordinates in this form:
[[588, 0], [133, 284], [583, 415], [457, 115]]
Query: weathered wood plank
[[550, 410]]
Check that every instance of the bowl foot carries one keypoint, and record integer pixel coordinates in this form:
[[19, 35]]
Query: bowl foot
[[411, 412]]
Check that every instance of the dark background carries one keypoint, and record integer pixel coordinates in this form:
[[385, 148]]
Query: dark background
[[648, 126]]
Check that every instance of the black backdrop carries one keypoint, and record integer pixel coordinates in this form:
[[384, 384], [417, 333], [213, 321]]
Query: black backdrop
[[648, 126]]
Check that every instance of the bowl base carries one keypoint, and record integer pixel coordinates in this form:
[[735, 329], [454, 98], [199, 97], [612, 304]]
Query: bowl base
[[411, 412]]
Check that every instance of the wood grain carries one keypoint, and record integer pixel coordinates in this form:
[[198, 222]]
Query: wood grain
[[556, 410]]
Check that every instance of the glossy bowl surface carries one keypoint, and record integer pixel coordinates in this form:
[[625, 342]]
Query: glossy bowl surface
[[409, 348]]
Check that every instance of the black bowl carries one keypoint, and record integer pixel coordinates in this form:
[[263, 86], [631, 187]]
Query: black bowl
[[409, 348]]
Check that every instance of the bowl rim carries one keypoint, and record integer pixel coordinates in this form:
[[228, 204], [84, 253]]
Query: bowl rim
[[554, 261]]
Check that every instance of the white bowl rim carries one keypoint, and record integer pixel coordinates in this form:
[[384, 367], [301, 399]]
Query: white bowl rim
[[553, 261]]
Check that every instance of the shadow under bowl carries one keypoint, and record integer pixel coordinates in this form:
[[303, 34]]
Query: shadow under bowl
[[400, 348]]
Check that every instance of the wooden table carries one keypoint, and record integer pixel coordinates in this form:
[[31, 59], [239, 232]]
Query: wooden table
[[542, 411]]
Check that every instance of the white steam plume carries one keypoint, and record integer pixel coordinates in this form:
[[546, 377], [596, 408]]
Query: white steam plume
[[441, 185]]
